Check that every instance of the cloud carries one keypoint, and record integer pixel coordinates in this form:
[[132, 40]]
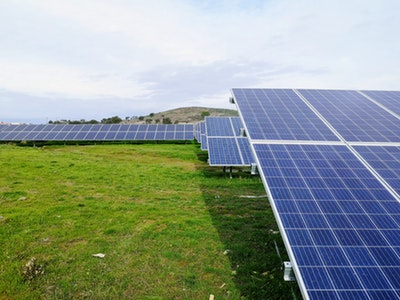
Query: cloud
[[163, 54]]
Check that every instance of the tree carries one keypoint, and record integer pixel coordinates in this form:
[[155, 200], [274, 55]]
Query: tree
[[204, 114], [166, 121], [112, 120]]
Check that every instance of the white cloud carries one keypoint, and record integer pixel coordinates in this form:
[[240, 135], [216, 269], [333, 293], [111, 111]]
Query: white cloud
[[41, 79], [179, 52]]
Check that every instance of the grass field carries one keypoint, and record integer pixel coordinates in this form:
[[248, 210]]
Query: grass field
[[170, 226]]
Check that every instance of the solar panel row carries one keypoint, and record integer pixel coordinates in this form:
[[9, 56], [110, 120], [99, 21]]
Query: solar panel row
[[330, 162], [96, 132]]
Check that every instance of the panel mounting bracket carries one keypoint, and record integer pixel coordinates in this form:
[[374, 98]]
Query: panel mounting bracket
[[288, 274]]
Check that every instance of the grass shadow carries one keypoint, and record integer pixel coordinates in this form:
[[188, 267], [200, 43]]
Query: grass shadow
[[241, 214]]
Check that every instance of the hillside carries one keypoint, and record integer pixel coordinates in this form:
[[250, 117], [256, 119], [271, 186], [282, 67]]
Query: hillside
[[184, 115]]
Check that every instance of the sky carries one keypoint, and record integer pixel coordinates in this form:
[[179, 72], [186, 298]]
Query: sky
[[93, 59]]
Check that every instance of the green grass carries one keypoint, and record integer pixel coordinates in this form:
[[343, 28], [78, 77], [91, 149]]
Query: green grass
[[171, 227]]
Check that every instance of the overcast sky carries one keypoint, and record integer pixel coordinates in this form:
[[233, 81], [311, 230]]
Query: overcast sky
[[90, 59]]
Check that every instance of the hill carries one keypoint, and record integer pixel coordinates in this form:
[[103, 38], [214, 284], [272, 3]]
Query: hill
[[183, 115]]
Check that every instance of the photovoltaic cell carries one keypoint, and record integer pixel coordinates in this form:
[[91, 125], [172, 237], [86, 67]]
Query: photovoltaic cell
[[93, 132], [244, 148], [385, 160], [356, 118], [389, 99], [348, 250], [223, 133], [223, 152], [219, 126], [263, 112], [336, 199], [237, 125]]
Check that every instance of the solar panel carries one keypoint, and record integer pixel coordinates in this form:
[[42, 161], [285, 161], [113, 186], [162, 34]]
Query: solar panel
[[355, 117], [179, 135], [93, 132], [245, 150], [385, 160], [389, 99], [323, 197], [204, 144], [262, 110], [224, 152], [225, 146], [335, 194], [218, 126]]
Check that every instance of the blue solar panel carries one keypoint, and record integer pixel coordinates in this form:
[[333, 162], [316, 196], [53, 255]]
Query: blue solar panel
[[226, 130], [273, 114], [204, 145], [100, 136], [389, 99], [237, 125], [121, 135], [91, 136], [335, 220], [179, 127], [356, 118], [150, 135], [51, 136], [70, 136], [160, 135], [161, 127], [244, 148], [219, 127], [20, 136], [179, 135], [223, 152], [92, 132], [140, 135], [169, 135], [80, 136], [189, 135], [130, 135], [386, 162]]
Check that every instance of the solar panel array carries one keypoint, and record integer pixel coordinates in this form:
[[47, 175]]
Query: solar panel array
[[225, 145], [96, 132], [330, 162]]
